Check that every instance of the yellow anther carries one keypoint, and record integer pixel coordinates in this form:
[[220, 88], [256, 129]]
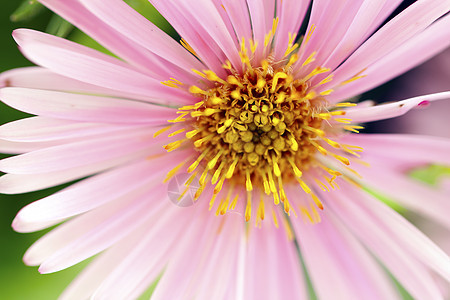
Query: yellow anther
[[253, 46], [276, 168], [292, 60], [196, 90], [216, 100], [198, 73], [216, 175], [275, 219], [309, 34], [192, 133], [265, 183], [318, 132], [345, 104], [234, 202], [248, 207], [311, 58], [211, 76], [278, 76], [332, 143], [260, 212], [174, 145], [280, 98], [327, 92], [248, 182], [265, 65], [316, 71], [199, 142], [173, 171], [227, 65], [296, 170], [327, 79], [317, 201], [219, 185], [261, 83], [194, 165], [236, 94], [304, 186], [294, 144], [162, 130], [231, 168], [177, 132], [213, 162], [343, 120], [342, 159], [322, 186], [188, 47]]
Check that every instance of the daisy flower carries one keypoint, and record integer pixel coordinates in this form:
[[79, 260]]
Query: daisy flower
[[255, 112]]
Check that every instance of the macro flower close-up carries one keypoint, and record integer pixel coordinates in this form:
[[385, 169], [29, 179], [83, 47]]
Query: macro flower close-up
[[232, 161]]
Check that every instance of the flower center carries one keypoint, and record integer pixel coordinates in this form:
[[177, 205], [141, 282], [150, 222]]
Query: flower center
[[256, 129], [253, 126]]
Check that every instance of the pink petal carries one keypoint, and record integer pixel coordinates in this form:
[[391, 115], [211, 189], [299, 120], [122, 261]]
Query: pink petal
[[78, 154], [14, 147], [85, 108], [95, 191], [357, 30], [391, 110], [410, 54], [121, 45], [207, 49], [340, 18], [404, 26], [84, 64], [268, 274], [414, 148], [291, 14], [237, 12], [23, 183], [124, 19], [84, 285], [43, 129], [73, 229], [324, 14], [212, 24], [110, 230], [261, 16], [147, 259], [43, 79], [340, 268], [408, 271], [408, 192]]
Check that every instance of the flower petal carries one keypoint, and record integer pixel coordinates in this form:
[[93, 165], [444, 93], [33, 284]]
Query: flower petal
[[43, 129], [121, 45], [95, 191], [340, 268], [410, 54], [406, 269], [85, 108], [124, 19], [85, 64], [413, 20], [392, 110], [78, 154]]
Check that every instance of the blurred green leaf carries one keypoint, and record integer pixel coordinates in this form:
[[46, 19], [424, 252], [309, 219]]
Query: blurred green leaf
[[59, 26], [27, 10], [430, 174]]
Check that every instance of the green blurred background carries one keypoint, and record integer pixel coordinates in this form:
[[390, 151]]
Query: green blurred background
[[18, 281]]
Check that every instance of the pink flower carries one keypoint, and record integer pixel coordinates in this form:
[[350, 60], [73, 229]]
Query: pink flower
[[259, 121]]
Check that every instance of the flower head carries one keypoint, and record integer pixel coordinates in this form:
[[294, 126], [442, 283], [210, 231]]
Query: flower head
[[261, 115]]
